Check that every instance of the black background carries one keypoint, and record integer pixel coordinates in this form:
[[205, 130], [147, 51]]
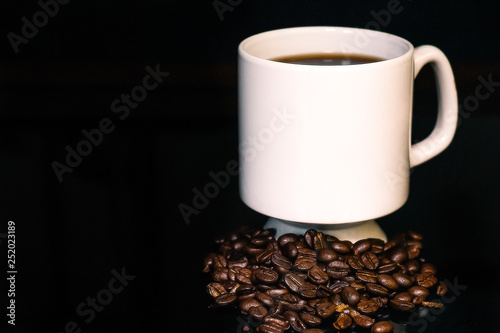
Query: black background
[[119, 207]]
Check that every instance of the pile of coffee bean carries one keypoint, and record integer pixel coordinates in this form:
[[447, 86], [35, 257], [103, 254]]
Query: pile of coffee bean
[[302, 282]]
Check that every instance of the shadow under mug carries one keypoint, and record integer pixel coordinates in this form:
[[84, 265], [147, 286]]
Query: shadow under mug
[[332, 144]]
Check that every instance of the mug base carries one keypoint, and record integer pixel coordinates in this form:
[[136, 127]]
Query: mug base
[[343, 231]]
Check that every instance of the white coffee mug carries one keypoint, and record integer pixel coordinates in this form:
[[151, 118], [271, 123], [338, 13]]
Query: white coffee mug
[[332, 144]]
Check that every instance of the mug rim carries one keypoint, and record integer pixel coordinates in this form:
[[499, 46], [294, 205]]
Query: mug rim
[[276, 33]]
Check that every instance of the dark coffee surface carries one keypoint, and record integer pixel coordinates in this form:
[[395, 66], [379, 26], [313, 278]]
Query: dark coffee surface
[[328, 59]]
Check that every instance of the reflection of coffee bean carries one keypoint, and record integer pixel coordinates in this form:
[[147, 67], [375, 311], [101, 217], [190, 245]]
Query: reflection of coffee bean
[[307, 283]]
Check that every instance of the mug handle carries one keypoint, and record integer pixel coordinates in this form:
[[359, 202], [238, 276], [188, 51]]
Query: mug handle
[[447, 117]]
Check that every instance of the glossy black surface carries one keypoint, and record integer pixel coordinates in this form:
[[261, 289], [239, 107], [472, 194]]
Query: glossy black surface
[[119, 207]]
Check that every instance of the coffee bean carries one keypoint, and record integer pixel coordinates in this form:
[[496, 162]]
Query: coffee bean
[[246, 304], [310, 320], [399, 256], [277, 320], [287, 238], [362, 320], [257, 312], [319, 241], [368, 307], [309, 237], [304, 263], [326, 255], [281, 261], [401, 305], [264, 299], [342, 247], [317, 275], [387, 268], [428, 268], [267, 276], [337, 269], [343, 322], [369, 260], [426, 280], [313, 330], [387, 281], [325, 310], [350, 295], [355, 262], [293, 282], [308, 290], [215, 289], [291, 302], [269, 328], [361, 246], [414, 235], [418, 291], [367, 276], [376, 289], [290, 250], [402, 280], [382, 327], [442, 289], [413, 266], [275, 292], [403, 296]]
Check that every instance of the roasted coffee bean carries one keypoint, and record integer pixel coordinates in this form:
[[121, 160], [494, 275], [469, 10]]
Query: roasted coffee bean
[[432, 304], [325, 310], [293, 281], [269, 328], [310, 320], [426, 280], [306, 252], [418, 300], [382, 327], [389, 245], [291, 302], [265, 299], [337, 286], [428, 268], [225, 299], [281, 261], [275, 292], [343, 322], [304, 263], [309, 237], [368, 307], [403, 280], [319, 241], [350, 295], [376, 289], [361, 246], [361, 320], [418, 291], [308, 290], [369, 260], [317, 275], [355, 262], [313, 330], [413, 266], [377, 245], [287, 238], [220, 274], [387, 268], [215, 289], [264, 256], [358, 285], [399, 256], [337, 269], [260, 241], [267, 276], [414, 235], [367, 276], [326, 255], [290, 251], [401, 305], [219, 262], [403, 296], [342, 247], [277, 320], [387, 281], [257, 312], [248, 303], [442, 289]]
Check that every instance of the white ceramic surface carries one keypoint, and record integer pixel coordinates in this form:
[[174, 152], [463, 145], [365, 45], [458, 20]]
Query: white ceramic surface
[[331, 144]]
